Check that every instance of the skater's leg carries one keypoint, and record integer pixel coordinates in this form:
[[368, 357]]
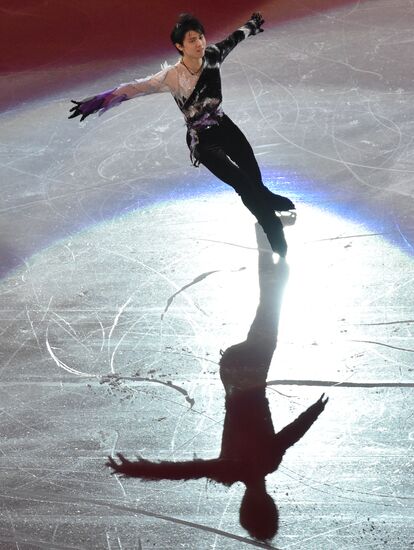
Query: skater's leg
[[214, 159], [240, 151]]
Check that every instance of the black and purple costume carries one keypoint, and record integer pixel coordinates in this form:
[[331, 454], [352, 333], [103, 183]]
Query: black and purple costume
[[213, 139]]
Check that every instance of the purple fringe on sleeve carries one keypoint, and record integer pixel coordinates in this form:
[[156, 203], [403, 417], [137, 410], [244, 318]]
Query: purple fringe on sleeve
[[101, 102]]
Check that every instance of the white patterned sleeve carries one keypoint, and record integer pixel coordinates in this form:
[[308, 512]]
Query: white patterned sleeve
[[153, 84]]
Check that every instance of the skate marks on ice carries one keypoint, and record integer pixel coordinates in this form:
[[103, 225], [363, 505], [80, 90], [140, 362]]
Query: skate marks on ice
[[344, 123], [125, 509], [197, 279], [112, 342]]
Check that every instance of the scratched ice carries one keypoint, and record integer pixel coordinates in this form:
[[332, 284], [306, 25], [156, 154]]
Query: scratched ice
[[126, 271]]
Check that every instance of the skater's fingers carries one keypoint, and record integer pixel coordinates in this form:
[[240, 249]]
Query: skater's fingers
[[122, 458], [323, 400], [257, 16], [111, 463]]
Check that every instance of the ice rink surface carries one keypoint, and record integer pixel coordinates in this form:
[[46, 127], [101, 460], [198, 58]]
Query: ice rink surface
[[126, 272]]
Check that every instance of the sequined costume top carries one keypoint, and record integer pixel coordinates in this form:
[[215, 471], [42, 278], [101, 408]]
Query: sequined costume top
[[198, 96]]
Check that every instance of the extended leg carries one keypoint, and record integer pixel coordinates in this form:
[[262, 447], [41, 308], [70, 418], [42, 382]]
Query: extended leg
[[240, 151], [215, 159]]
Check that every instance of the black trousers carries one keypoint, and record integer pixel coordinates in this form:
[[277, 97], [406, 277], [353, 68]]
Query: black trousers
[[225, 151]]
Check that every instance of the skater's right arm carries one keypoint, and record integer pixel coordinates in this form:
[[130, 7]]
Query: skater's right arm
[[297, 429], [159, 82]]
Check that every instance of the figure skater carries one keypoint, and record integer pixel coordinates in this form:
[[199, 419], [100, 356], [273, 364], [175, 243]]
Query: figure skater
[[213, 139]]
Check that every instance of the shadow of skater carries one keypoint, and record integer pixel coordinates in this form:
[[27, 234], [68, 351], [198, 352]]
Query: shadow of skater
[[250, 448]]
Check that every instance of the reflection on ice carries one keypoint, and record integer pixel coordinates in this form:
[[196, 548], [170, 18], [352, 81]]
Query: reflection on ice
[[250, 449]]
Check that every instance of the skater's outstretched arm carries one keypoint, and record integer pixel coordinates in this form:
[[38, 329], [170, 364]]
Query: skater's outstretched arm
[[250, 28], [159, 82], [217, 469], [297, 429]]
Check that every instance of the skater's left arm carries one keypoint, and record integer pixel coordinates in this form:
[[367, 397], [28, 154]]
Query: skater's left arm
[[250, 28]]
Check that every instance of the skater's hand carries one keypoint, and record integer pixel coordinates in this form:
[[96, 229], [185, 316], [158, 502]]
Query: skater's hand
[[258, 21], [322, 401], [93, 104], [86, 107], [123, 467]]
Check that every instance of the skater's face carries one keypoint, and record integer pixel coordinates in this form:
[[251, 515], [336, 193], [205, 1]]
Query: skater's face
[[194, 45]]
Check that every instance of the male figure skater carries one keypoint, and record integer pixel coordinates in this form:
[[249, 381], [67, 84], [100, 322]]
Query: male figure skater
[[213, 139]]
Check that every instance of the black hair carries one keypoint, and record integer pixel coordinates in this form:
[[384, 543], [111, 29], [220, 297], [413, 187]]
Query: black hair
[[186, 22]]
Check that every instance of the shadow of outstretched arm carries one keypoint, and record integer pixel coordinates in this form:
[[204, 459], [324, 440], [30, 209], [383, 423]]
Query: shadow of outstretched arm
[[220, 470], [297, 429]]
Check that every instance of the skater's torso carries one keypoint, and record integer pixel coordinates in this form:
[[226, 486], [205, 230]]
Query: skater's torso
[[198, 96]]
